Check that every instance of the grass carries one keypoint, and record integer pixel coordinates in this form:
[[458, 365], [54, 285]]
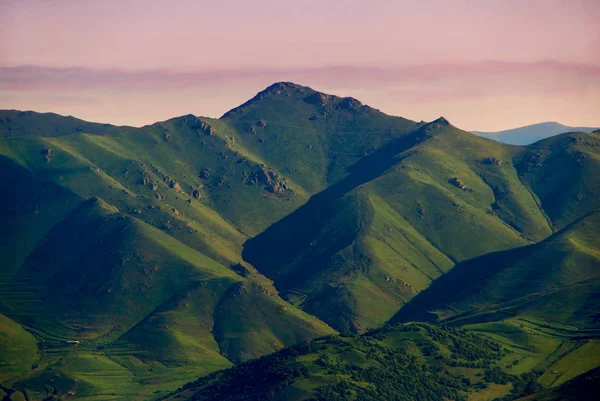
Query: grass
[[163, 248], [353, 368]]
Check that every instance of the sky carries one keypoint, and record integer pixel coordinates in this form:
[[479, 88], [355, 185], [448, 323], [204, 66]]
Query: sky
[[483, 64]]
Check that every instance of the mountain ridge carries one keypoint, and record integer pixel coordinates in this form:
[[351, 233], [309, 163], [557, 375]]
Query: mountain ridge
[[529, 134], [296, 215]]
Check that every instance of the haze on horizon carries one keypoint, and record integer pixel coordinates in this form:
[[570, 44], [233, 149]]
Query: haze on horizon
[[487, 65]]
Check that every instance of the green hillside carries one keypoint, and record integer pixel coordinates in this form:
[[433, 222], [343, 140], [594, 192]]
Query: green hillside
[[134, 260], [582, 388], [403, 362], [564, 173], [402, 217], [309, 136], [555, 280], [134, 297], [14, 123]]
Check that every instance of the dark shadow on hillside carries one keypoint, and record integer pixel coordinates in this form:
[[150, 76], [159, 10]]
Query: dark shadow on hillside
[[282, 242]]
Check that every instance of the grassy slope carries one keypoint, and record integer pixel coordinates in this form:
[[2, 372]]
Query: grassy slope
[[407, 362], [564, 173], [41, 192], [157, 311], [555, 280], [387, 222], [311, 137], [583, 388], [360, 249], [14, 123]]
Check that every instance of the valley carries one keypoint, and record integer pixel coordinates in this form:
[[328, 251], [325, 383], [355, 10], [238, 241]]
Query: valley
[[311, 231]]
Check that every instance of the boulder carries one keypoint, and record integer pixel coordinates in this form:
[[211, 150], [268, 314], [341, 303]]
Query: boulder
[[457, 183], [206, 173]]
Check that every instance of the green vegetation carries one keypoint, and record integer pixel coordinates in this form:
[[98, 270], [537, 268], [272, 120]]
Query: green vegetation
[[403, 362], [134, 260], [554, 281]]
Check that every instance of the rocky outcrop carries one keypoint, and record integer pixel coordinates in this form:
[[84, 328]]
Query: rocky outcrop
[[317, 98], [198, 125], [268, 180], [174, 185], [491, 161], [457, 183], [349, 104], [48, 154], [205, 174]]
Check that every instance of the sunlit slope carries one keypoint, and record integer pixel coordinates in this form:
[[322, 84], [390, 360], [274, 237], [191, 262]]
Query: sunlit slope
[[309, 136], [15, 123], [403, 362], [556, 280], [359, 250], [127, 292]]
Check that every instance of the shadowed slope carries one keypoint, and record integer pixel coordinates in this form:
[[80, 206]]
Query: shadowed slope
[[14, 123], [361, 248], [556, 280]]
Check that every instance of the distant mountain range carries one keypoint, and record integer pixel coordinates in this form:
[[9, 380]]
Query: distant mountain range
[[361, 255], [531, 133]]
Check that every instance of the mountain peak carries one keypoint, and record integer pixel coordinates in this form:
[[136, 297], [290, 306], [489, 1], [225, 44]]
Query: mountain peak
[[441, 120], [281, 86], [276, 89]]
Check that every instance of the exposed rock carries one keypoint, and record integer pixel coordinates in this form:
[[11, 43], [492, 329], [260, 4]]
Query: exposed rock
[[317, 98], [208, 129], [196, 194], [240, 269], [175, 211], [175, 186], [261, 123], [48, 154], [349, 103], [167, 138], [269, 180], [250, 130], [282, 308], [491, 160], [198, 125], [260, 140], [206, 173], [457, 183], [534, 161]]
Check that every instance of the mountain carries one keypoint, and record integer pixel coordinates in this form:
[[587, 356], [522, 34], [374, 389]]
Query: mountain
[[15, 123], [530, 282], [134, 260], [531, 133], [406, 214]]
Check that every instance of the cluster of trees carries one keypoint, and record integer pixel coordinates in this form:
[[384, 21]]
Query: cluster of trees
[[421, 370]]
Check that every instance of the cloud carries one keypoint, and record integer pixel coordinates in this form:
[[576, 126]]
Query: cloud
[[38, 78]]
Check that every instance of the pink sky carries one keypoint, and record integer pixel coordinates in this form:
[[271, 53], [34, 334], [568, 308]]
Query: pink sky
[[484, 65]]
